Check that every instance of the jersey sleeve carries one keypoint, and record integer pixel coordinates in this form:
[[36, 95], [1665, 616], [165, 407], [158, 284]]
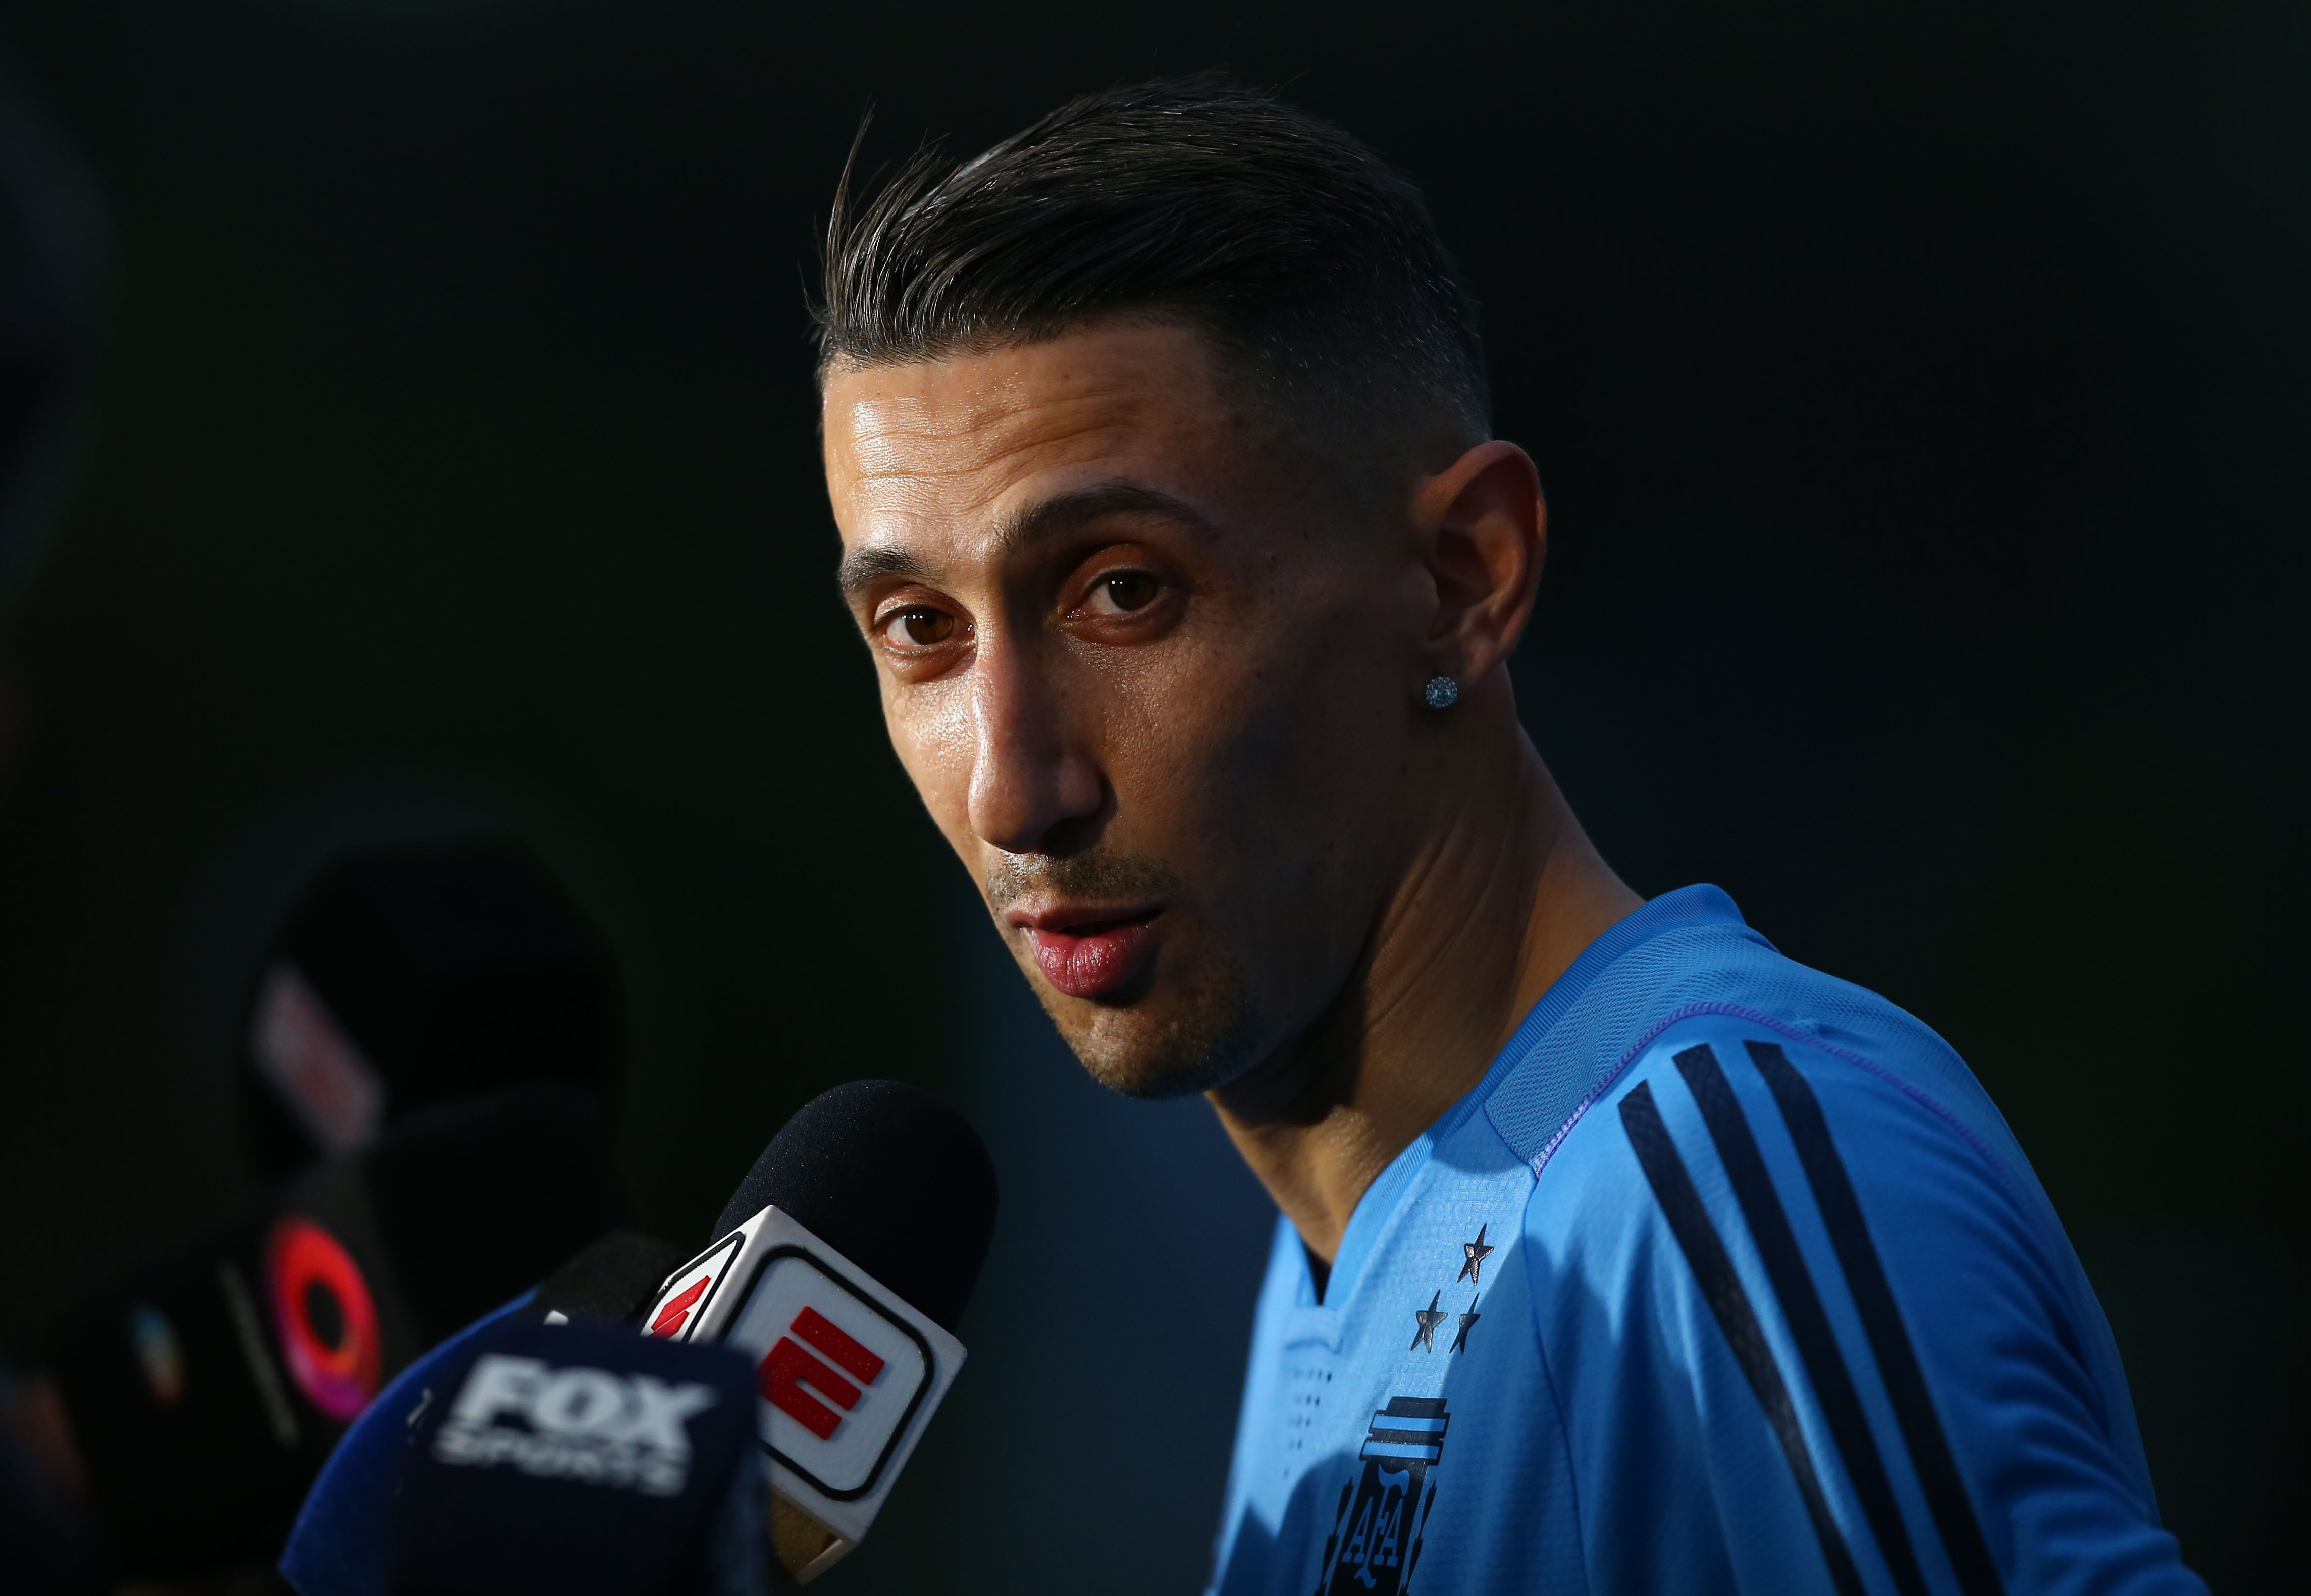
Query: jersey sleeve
[[1811, 1332]]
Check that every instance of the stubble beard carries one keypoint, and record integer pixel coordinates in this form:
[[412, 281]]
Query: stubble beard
[[1201, 1030]]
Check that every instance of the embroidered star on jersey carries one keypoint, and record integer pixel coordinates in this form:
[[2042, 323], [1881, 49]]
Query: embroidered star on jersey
[[1473, 1255], [1467, 1323], [1429, 1318]]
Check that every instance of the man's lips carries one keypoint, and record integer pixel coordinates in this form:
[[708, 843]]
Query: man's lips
[[1086, 952]]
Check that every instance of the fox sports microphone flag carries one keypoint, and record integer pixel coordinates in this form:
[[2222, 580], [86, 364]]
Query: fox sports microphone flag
[[580, 1459], [337, 1548]]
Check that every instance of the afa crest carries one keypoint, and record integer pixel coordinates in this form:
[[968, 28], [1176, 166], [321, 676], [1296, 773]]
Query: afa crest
[[1376, 1531]]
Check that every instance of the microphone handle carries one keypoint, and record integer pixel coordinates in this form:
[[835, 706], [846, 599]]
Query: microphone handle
[[797, 1539]]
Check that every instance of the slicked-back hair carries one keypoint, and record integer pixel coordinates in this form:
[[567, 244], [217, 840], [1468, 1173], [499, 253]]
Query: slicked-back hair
[[1310, 262]]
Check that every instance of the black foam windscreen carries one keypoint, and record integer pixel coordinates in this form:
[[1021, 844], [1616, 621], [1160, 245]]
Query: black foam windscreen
[[616, 1277], [892, 1178], [454, 967], [483, 1198]]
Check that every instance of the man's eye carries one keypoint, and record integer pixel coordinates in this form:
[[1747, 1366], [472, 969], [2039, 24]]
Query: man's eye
[[919, 626], [1125, 591]]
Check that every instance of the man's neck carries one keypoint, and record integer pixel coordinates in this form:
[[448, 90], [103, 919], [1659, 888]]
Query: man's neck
[[1492, 910]]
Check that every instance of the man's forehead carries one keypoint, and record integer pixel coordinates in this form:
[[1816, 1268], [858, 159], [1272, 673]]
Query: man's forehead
[[956, 435]]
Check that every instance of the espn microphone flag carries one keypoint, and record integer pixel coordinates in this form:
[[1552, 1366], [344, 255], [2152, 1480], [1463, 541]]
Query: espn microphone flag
[[576, 1459], [840, 1266], [847, 1373]]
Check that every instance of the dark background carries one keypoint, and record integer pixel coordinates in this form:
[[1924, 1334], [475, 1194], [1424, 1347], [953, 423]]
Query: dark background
[[1920, 391]]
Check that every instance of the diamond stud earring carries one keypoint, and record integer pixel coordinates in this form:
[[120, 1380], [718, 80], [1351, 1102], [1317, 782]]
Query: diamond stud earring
[[1442, 693]]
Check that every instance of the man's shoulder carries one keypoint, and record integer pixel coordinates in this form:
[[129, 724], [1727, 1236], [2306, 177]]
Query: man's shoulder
[[1703, 1044], [1694, 972], [1813, 1216]]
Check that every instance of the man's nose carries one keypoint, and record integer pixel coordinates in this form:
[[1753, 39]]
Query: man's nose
[[1031, 773]]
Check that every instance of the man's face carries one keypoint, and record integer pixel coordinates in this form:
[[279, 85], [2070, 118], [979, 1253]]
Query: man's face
[[1155, 672]]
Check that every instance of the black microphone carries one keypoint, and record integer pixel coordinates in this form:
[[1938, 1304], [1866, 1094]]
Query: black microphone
[[203, 1394], [411, 975], [582, 1460], [616, 1279], [840, 1269]]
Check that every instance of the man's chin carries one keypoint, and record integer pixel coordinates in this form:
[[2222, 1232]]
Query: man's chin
[[1153, 1050]]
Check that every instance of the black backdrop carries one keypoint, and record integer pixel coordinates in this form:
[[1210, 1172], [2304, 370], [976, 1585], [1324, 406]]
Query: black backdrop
[[1920, 391]]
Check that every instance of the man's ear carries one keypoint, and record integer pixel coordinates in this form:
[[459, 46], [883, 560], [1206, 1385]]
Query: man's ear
[[1485, 528]]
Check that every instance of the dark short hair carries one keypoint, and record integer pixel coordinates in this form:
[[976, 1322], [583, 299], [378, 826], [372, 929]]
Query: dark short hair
[[1310, 261]]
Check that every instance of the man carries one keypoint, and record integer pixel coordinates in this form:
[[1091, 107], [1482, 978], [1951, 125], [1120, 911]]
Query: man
[[1616, 1253]]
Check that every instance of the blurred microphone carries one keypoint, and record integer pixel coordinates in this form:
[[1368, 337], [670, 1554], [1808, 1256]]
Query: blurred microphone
[[413, 974], [580, 1459], [839, 1269], [615, 1278], [202, 1397]]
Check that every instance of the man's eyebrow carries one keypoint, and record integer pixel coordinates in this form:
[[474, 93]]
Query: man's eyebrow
[[862, 569], [1061, 513], [1064, 512]]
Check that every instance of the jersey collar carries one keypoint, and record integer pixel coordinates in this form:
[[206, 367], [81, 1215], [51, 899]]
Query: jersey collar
[[1687, 906]]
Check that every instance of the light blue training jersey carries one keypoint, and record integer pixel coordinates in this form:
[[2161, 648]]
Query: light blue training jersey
[[1728, 1277]]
